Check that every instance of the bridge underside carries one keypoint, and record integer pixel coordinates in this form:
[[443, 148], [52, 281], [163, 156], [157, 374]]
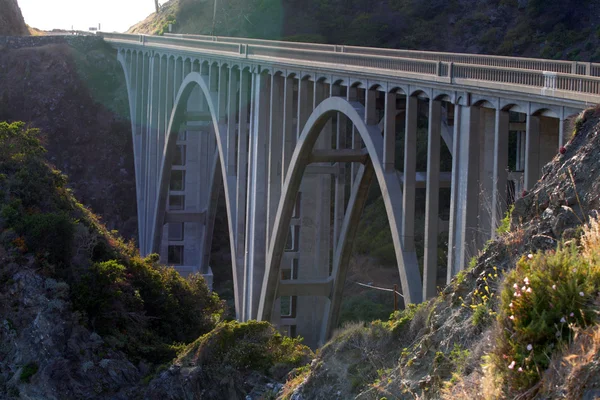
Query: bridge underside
[[295, 152]]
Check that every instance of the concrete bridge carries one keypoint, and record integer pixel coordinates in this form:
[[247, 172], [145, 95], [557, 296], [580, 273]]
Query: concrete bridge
[[296, 133]]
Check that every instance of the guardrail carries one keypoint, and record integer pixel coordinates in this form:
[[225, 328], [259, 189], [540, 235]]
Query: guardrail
[[429, 69], [539, 64], [386, 63]]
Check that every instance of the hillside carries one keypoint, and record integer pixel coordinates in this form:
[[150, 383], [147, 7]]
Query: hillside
[[521, 322], [566, 29], [82, 315], [73, 89], [11, 19]]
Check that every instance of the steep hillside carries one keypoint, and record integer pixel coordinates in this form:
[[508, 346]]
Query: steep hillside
[[73, 89], [550, 29], [521, 322], [11, 19], [82, 316]]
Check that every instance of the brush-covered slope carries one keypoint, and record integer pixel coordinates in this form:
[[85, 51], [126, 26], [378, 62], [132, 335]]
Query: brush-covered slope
[[11, 19], [82, 315], [520, 322], [74, 91], [551, 29]]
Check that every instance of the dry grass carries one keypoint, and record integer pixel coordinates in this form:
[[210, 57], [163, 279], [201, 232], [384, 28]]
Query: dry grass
[[590, 240], [573, 369], [35, 31]]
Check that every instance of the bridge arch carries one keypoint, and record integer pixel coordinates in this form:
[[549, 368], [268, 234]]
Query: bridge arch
[[189, 83], [373, 167]]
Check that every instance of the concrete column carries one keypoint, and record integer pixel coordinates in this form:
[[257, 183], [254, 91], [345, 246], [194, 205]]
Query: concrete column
[[410, 173], [432, 199], [465, 230], [370, 107], [454, 187], [486, 174], [187, 67], [500, 178], [275, 149], [532, 151], [340, 181], [352, 96], [305, 102], [162, 112], [178, 77], [314, 238], [257, 204], [223, 94], [170, 95], [232, 108], [289, 136], [561, 132], [241, 189], [143, 183], [152, 163], [389, 132]]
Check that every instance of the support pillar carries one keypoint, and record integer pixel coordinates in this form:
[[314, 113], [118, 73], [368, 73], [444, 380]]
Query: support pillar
[[410, 173], [275, 149], [487, 130], [432, 200], [389, 132], [532, 151], [241, 191], [465, 189], [257, 202], [500, 179]]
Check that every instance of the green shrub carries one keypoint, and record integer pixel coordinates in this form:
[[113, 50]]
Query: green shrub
[[545, 298], [28, 371], [247, 346], [140, 307], [504, 226]]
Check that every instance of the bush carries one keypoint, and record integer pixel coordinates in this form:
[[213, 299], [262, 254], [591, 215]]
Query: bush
[[139, 307], [252, 345], [545, 298], [28, 371]]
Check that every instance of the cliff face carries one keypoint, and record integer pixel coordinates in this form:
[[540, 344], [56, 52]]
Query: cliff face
[[73, 89], [11, 19], [549, 29]]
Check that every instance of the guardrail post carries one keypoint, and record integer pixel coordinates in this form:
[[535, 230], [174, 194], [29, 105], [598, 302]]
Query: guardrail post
[[451, 72], [438, 68], [549, 80]]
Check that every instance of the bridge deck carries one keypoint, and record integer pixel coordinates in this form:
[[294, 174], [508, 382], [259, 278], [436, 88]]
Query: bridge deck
[[581, 90]]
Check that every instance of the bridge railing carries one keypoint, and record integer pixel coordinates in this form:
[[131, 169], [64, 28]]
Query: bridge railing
[[259, 42], [384, 63], [426, 69], [566, 67], [523, 77], [178, 42]]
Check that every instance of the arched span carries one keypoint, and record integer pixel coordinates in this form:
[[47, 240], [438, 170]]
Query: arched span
[[388, 181], [192, 80]]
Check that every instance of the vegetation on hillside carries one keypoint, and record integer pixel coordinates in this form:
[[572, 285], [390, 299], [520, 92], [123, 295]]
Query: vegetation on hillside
[[549, 29], [139, 306]]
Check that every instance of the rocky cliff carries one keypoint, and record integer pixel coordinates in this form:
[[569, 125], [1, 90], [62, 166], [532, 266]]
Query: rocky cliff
[[11, 19]]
